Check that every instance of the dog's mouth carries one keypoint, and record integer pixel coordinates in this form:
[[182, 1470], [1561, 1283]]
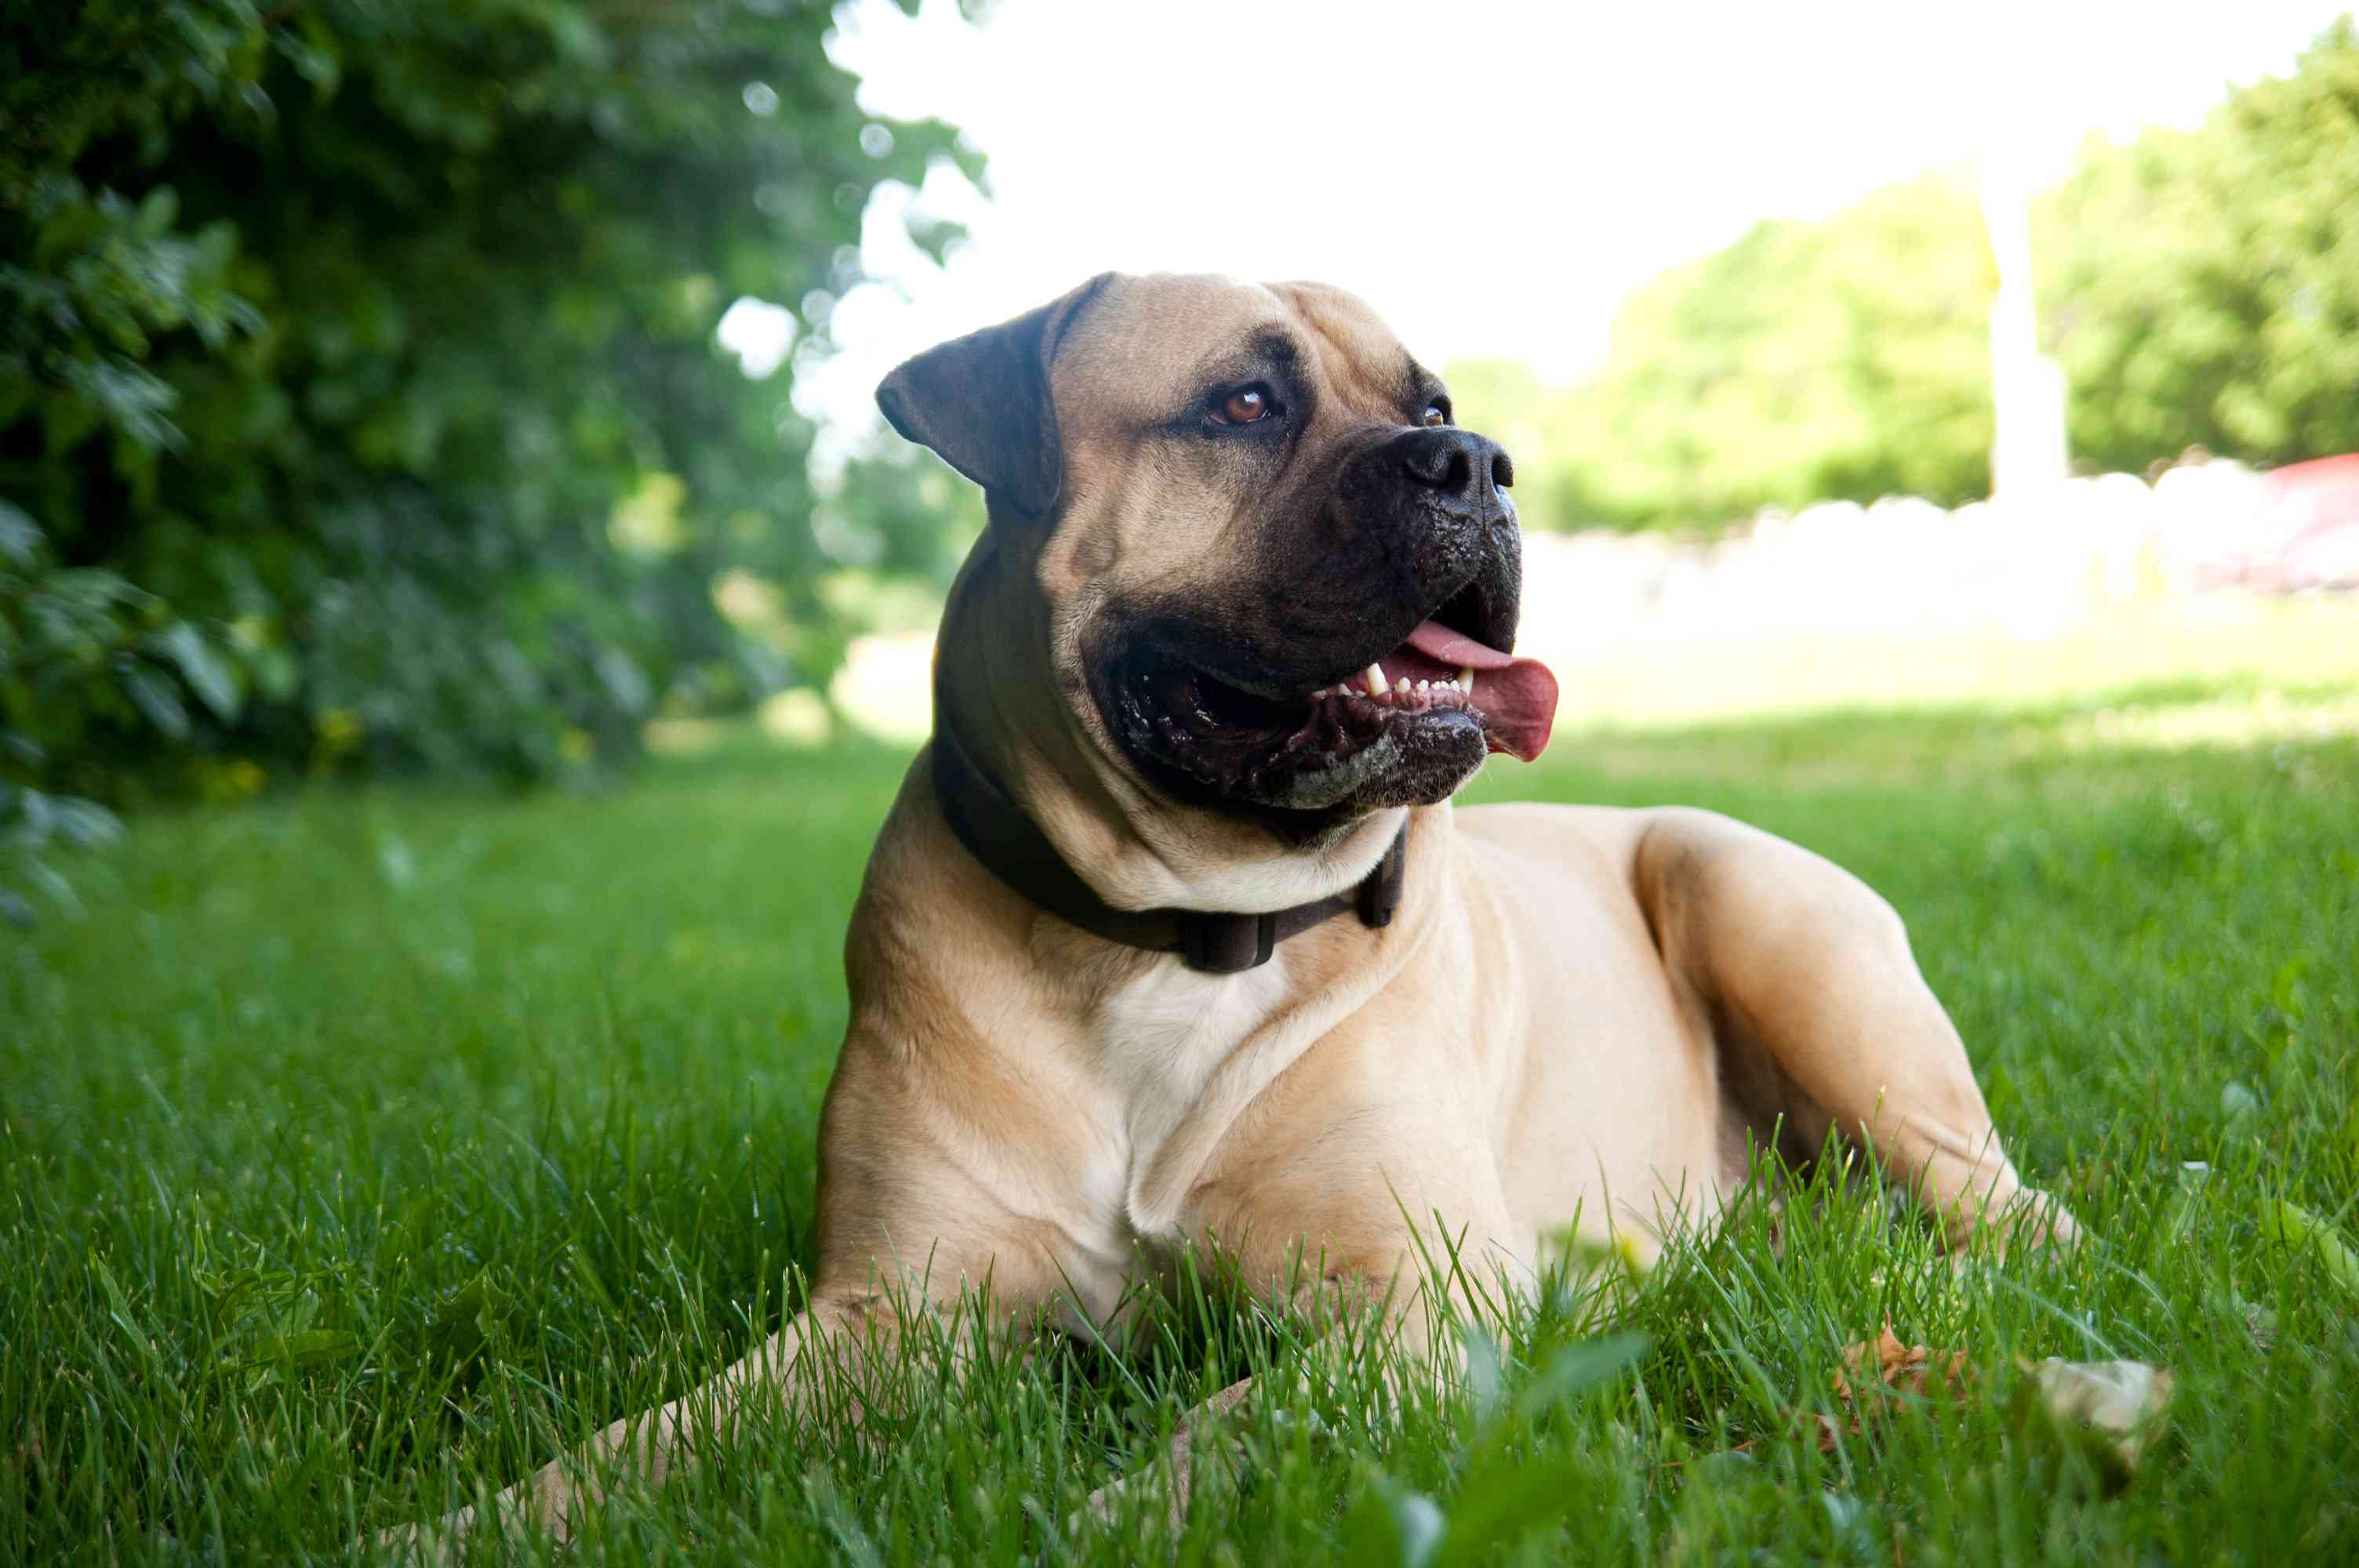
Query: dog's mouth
[[1406, 728]]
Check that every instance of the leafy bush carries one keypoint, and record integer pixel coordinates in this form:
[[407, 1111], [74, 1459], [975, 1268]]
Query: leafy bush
[[360, 403], [65, 633]]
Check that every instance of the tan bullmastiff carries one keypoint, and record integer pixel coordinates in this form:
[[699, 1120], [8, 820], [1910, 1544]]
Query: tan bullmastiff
[[1173, 937]]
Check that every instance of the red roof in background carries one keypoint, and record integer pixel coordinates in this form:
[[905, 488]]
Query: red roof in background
[[2332, 482], [2316, 509]]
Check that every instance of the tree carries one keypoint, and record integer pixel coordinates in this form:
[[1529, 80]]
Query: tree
[[359, 397], [1845, 356], [2199, 288], [2202, 288]]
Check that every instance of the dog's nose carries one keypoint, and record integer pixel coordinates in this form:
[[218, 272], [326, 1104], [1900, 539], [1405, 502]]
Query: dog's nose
[[1462, 469]]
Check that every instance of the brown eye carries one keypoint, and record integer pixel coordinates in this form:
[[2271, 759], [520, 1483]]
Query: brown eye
[[1245, 406], [1435, 414]]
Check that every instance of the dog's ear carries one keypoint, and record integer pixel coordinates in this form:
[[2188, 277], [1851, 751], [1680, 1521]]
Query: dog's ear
[[982, 402]]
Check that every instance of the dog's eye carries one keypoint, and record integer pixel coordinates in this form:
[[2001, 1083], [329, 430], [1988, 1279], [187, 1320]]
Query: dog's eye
[[1245, 405], [1436, 412]]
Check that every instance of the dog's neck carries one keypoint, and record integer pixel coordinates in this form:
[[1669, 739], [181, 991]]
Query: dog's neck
[[1006, 842]]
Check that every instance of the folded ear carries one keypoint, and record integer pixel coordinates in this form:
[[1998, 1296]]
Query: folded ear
[[982, 403]]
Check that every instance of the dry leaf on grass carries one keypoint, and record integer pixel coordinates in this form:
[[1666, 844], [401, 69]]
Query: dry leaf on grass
[[1882, 1374], [2112, 1411], [1876, 1370]]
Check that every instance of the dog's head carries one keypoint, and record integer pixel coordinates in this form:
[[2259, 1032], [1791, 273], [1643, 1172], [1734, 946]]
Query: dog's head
[[1268, 564]]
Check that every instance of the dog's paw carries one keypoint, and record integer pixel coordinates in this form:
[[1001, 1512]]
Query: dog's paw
[[2027, 1218], [1177, 1473], [2039, 1219], [430, 1543]]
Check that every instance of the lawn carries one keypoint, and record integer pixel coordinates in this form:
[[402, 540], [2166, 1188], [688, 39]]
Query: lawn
[[360, 1151]]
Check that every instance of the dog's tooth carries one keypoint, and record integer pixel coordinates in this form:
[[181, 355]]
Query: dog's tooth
[[1425, 685], [1375, 677], [1466, 680], [1400, 686]]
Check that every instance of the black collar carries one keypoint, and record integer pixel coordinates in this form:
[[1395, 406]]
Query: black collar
[[1012, 848]]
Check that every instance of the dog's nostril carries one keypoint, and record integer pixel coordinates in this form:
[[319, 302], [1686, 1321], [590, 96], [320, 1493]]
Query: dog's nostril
[[1441, 464], [1461, 465]]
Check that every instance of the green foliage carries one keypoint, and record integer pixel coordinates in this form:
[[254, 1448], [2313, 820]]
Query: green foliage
[[2199, 288], [1843, 357], [357, 369], [2202, 288], [902, 514], [66, 634]]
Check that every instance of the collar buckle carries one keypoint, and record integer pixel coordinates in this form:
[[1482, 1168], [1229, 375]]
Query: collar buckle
[[1226, 944]]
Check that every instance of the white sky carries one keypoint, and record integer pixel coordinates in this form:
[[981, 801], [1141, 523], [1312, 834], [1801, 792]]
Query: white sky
[[1493, 177]]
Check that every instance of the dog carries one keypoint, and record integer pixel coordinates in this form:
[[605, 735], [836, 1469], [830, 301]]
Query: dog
[[1173, 937]]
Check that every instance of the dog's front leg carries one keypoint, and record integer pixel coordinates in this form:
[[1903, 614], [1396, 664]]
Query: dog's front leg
[[832, 1348]]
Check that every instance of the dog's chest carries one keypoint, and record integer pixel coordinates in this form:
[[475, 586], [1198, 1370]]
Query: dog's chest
[[1159, 1037]]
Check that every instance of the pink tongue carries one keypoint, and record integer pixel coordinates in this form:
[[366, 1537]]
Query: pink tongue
[[1516, 696]]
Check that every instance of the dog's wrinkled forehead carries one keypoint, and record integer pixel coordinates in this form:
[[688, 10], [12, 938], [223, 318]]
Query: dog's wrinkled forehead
[[1150, 348], [1129, 364]]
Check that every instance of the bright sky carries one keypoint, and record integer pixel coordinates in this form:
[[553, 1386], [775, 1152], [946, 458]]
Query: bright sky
[[1493, 177]]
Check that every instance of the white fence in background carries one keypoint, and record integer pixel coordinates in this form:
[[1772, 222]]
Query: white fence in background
[[2033, 565]]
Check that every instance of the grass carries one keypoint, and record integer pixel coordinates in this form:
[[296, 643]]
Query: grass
[[360, 1151]]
